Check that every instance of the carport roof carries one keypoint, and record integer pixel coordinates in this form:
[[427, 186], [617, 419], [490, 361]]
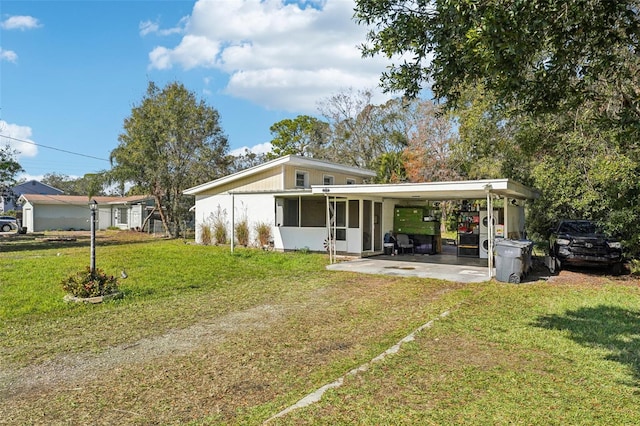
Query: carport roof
[[436, 191]]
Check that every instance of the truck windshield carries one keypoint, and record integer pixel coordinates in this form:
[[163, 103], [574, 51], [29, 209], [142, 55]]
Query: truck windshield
[[581, 227]]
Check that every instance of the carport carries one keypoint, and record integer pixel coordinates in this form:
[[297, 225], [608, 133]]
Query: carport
[[390, 195]]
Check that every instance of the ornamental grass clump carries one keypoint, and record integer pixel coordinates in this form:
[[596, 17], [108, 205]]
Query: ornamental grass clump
[[85, 284]]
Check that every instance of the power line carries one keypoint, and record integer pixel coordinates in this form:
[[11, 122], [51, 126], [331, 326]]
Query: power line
[[55, 149]]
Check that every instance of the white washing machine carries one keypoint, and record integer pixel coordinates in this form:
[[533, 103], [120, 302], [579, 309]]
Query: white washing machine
[[484, 246], [484, 221]]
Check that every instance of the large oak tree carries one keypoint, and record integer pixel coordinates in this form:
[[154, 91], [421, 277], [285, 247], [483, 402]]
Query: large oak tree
[[171, 141]]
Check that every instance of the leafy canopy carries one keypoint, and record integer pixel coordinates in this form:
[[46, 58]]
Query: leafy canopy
[[9, 168], [171, 141], [542, 53]]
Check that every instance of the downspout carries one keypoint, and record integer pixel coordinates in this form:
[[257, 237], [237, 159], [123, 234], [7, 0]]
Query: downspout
[[335, 225], [233, 224]]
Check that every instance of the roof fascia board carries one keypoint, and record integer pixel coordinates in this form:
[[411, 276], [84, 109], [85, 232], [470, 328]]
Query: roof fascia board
[[503, 187]]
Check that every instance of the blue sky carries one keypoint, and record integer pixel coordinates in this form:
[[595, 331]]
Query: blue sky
[[71, 71]]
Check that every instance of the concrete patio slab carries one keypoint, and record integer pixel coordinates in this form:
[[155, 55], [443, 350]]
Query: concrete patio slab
[[464, 271]]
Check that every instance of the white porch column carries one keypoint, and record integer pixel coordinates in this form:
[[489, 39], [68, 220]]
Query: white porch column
[[506, 217], [490, 228]]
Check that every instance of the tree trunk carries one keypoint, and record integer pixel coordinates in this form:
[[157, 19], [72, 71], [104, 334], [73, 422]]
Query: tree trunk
[[165, 225], [146, 219]]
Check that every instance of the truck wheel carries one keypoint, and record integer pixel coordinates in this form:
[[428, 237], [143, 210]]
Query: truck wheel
[[616, 268]]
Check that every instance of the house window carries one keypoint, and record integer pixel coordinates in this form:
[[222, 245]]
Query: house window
[[290, 212], [313, 212], [341, 220], [327, 180], [122, 216], [354, 213], [351, 181], [302, 179]]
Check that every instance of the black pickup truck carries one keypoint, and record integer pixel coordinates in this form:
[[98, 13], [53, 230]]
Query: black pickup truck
[[582, 243]]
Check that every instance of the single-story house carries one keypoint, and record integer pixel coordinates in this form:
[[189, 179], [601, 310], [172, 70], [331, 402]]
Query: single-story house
[[8, 201], [72, 212], [316, 204]]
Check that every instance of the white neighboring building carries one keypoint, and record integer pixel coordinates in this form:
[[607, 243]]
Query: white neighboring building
[[293, 195], [72, 212]]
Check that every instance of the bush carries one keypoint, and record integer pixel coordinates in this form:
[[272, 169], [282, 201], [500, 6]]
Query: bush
[[220, 233], [263, 231], [86, 284], [205, 235], [219, 225], [242, 232]]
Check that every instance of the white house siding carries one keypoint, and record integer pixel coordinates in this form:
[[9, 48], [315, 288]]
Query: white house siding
[[27, 217], [515, 221], [260, 208], [294, 238], [316, 177], [135, 218], [388, 213], [60, 217], [257, 208], [104, 217], [268, 180]]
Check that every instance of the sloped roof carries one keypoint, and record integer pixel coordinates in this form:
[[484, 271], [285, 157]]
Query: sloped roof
[[292, 160], [81, 199], [24, 187]]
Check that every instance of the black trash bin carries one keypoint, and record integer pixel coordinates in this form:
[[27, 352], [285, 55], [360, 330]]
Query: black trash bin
[[388, 248]]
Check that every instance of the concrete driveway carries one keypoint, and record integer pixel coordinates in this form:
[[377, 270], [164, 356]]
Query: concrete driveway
[[440, 267]]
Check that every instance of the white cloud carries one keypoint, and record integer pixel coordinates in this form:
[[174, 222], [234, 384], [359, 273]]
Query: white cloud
[[277, 55], [193, 51], [8, 55], [20, 23], [21, 133], [27, 177], [150, 27], [261, 148]]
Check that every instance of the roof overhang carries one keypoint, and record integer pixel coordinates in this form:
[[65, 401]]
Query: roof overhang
[[435, 191], [79, 200]]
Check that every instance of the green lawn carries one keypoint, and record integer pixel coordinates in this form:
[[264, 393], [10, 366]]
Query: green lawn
[[204, 336]]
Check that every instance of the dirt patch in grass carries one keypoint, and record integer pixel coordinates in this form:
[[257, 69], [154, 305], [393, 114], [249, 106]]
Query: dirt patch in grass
[[592, 277], [242, 367], [69, 370]]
